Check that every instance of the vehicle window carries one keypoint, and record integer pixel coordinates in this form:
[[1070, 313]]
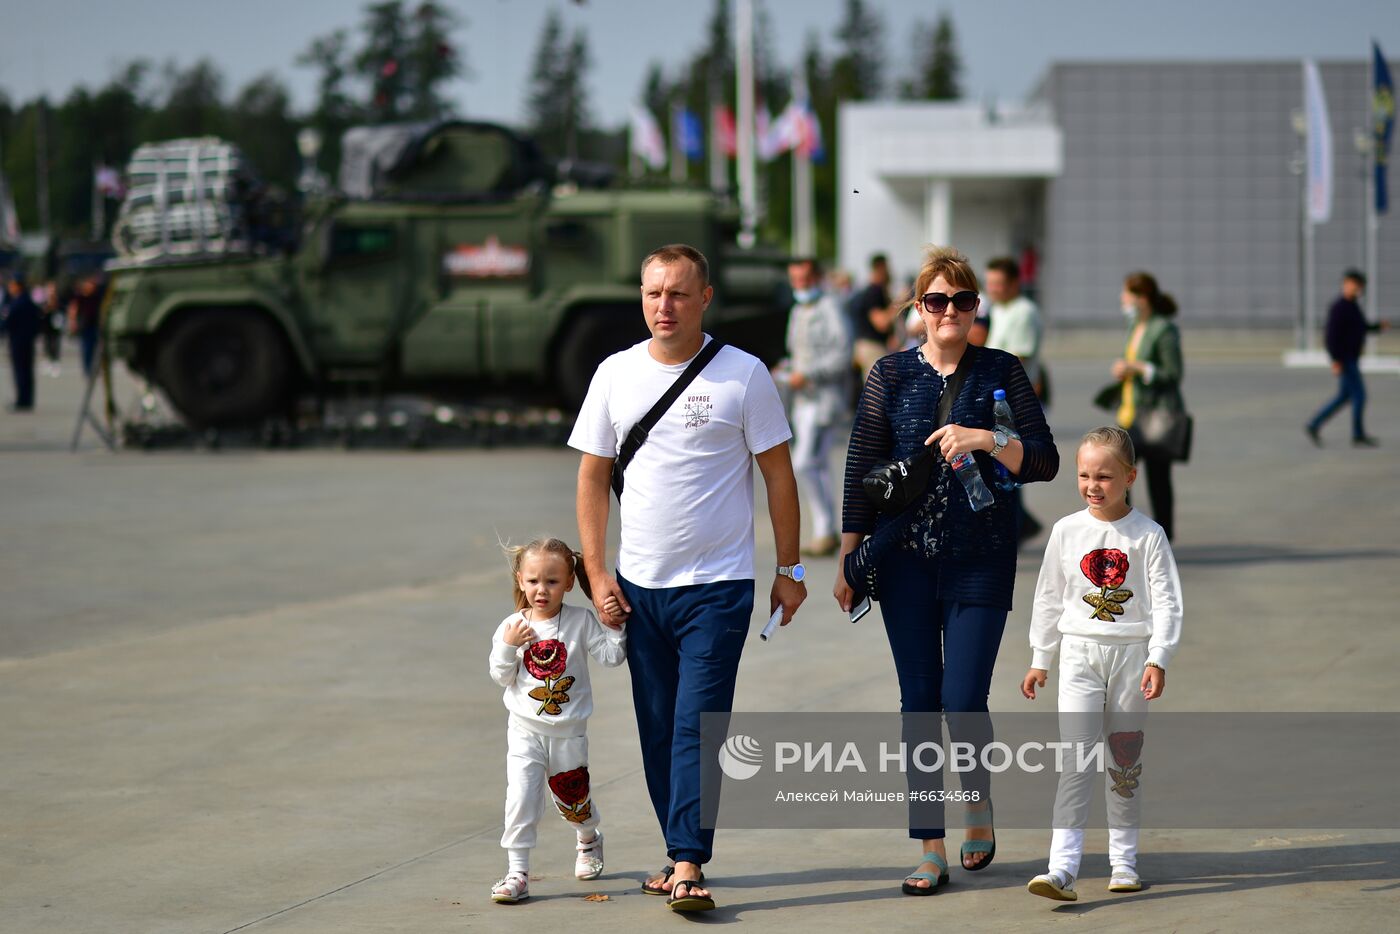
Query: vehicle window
[[351, 242]]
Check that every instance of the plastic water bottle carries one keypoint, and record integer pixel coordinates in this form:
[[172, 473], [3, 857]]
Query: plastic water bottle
[[965, 466], [1001, 415]]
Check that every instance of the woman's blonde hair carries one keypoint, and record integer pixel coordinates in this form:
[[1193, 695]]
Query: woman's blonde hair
[[947, 262], [1116, 440], [515, 554]]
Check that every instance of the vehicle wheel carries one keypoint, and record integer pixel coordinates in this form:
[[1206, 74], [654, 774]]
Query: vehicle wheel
[[224, 366], [591, 339]]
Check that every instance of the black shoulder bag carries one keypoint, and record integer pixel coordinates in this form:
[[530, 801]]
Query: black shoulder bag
[[638, 435], [892, 487]]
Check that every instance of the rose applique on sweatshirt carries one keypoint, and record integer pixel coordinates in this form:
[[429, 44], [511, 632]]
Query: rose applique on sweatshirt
[[547, 660], [1107, 569]]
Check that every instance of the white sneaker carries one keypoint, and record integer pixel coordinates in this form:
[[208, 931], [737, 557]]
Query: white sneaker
[[515, 887], [1124, 879], [1054, 885], [589, 864]]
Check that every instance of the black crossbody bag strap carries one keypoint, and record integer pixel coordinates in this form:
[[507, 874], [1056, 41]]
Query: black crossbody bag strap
[[944, 411], [638, 435]]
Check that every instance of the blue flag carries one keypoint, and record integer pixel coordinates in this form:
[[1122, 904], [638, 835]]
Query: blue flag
[[1382, 121], [692, 135]]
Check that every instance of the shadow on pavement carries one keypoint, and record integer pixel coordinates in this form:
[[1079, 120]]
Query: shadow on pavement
[[1166, 876], [1272, 554]]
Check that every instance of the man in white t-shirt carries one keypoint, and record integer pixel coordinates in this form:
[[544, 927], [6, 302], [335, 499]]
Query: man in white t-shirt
[[1015, 328], [685, 566]]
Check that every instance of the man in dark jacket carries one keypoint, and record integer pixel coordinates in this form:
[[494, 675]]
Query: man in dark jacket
[[22, 320], [1346, 337]]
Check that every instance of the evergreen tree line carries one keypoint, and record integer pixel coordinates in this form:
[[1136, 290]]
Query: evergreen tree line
[[395, 66]]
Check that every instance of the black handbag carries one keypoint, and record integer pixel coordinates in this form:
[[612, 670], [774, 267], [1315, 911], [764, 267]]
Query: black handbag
[[1165, 433], [892, 487]]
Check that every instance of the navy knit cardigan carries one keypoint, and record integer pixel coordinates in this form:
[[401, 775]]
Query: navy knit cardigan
[[976, 560]]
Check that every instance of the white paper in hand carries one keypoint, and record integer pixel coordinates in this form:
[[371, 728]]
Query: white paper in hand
[[773, 622]]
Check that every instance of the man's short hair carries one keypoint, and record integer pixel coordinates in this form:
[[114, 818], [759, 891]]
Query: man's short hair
[[1356, 276], [879, 259], [1007, 266], [676, 251], [812, 261]]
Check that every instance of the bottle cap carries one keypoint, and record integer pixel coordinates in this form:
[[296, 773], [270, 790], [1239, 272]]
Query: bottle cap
[[999, 395]]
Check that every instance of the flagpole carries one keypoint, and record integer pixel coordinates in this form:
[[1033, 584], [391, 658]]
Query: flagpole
[[748, 175], [1309, 302], [802, 239], [1373, 220], [719, 171], [678, 166]]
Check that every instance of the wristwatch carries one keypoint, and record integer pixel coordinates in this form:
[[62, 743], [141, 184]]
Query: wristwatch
[[796, 571], [1001, 441]]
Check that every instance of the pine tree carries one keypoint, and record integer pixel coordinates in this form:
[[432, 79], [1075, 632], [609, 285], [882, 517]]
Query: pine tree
[[857, 73], [556, 103], [938, 72], [432, 61]]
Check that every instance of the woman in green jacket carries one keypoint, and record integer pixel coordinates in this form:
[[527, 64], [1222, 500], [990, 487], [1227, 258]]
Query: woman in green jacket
[[1149, 374]]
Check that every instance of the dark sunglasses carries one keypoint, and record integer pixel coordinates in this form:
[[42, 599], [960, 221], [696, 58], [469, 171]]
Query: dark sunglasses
[[935, 303]]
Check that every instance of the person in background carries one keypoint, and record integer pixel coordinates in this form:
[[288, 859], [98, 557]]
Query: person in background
[[1150, 373], [84, 314], [1015, 328], [22, 321], [52, 329], [1346, 338], [873, 317], [819, 364]]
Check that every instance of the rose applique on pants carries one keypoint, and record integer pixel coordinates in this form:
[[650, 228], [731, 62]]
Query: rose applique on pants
[[571, 794], [1107, 569]]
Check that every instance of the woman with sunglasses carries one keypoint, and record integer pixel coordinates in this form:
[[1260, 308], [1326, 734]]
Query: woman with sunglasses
[[946, 572]]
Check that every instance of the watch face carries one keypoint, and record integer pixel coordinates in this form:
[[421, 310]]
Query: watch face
[[798, 572], [1001, 439]]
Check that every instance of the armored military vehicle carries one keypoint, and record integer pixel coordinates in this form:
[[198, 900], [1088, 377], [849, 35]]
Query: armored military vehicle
[[451, 258]]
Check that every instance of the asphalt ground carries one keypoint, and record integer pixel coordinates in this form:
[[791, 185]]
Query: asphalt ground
[[246, 690]]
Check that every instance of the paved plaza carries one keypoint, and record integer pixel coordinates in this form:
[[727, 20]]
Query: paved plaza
[[247, 690]]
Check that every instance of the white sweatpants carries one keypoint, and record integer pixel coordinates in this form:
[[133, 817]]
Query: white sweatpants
[[1100, 700], [811, 462], [535, 763]]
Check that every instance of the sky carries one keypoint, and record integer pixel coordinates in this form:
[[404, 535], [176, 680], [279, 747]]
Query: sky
[[1006, 45]]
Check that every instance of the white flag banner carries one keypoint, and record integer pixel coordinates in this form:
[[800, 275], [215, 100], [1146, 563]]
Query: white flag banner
[[646, 139], [1319, 146]]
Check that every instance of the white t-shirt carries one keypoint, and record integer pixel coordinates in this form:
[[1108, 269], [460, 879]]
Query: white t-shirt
[[1112, 582], [1016, 329], [687, 498]]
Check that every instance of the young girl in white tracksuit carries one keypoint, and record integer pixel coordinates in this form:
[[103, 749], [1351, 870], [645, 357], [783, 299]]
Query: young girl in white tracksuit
[[539, 654], [1109, 601]]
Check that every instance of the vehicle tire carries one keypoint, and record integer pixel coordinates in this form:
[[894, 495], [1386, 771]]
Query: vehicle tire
[[594, 336], [224, 366]]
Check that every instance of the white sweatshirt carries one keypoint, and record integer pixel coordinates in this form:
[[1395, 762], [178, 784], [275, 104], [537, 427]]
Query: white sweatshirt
[[546, 682], [1112, 582]]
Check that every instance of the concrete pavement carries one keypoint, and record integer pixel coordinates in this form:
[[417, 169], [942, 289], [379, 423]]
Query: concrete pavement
[[247, 690]]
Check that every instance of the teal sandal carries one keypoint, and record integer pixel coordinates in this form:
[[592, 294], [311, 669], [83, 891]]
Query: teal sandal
[[934, 882], [974, 847]]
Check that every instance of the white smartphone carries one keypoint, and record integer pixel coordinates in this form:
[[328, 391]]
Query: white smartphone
[[860, 609]]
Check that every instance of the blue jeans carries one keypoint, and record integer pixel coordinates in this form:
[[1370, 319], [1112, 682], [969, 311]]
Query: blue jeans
[[1350, 388], [944, 653], [683, 648]]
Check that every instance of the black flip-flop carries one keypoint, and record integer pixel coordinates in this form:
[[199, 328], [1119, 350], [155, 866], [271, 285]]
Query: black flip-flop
[[689, 901], [666, 873]]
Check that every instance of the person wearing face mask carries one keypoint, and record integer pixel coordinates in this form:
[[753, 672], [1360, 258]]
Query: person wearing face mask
[[1148, 377], [818, 373]]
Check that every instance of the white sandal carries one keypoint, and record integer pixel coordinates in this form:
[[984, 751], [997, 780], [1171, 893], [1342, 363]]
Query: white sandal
[[515, 887], [1124, 879], [589, 863]]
